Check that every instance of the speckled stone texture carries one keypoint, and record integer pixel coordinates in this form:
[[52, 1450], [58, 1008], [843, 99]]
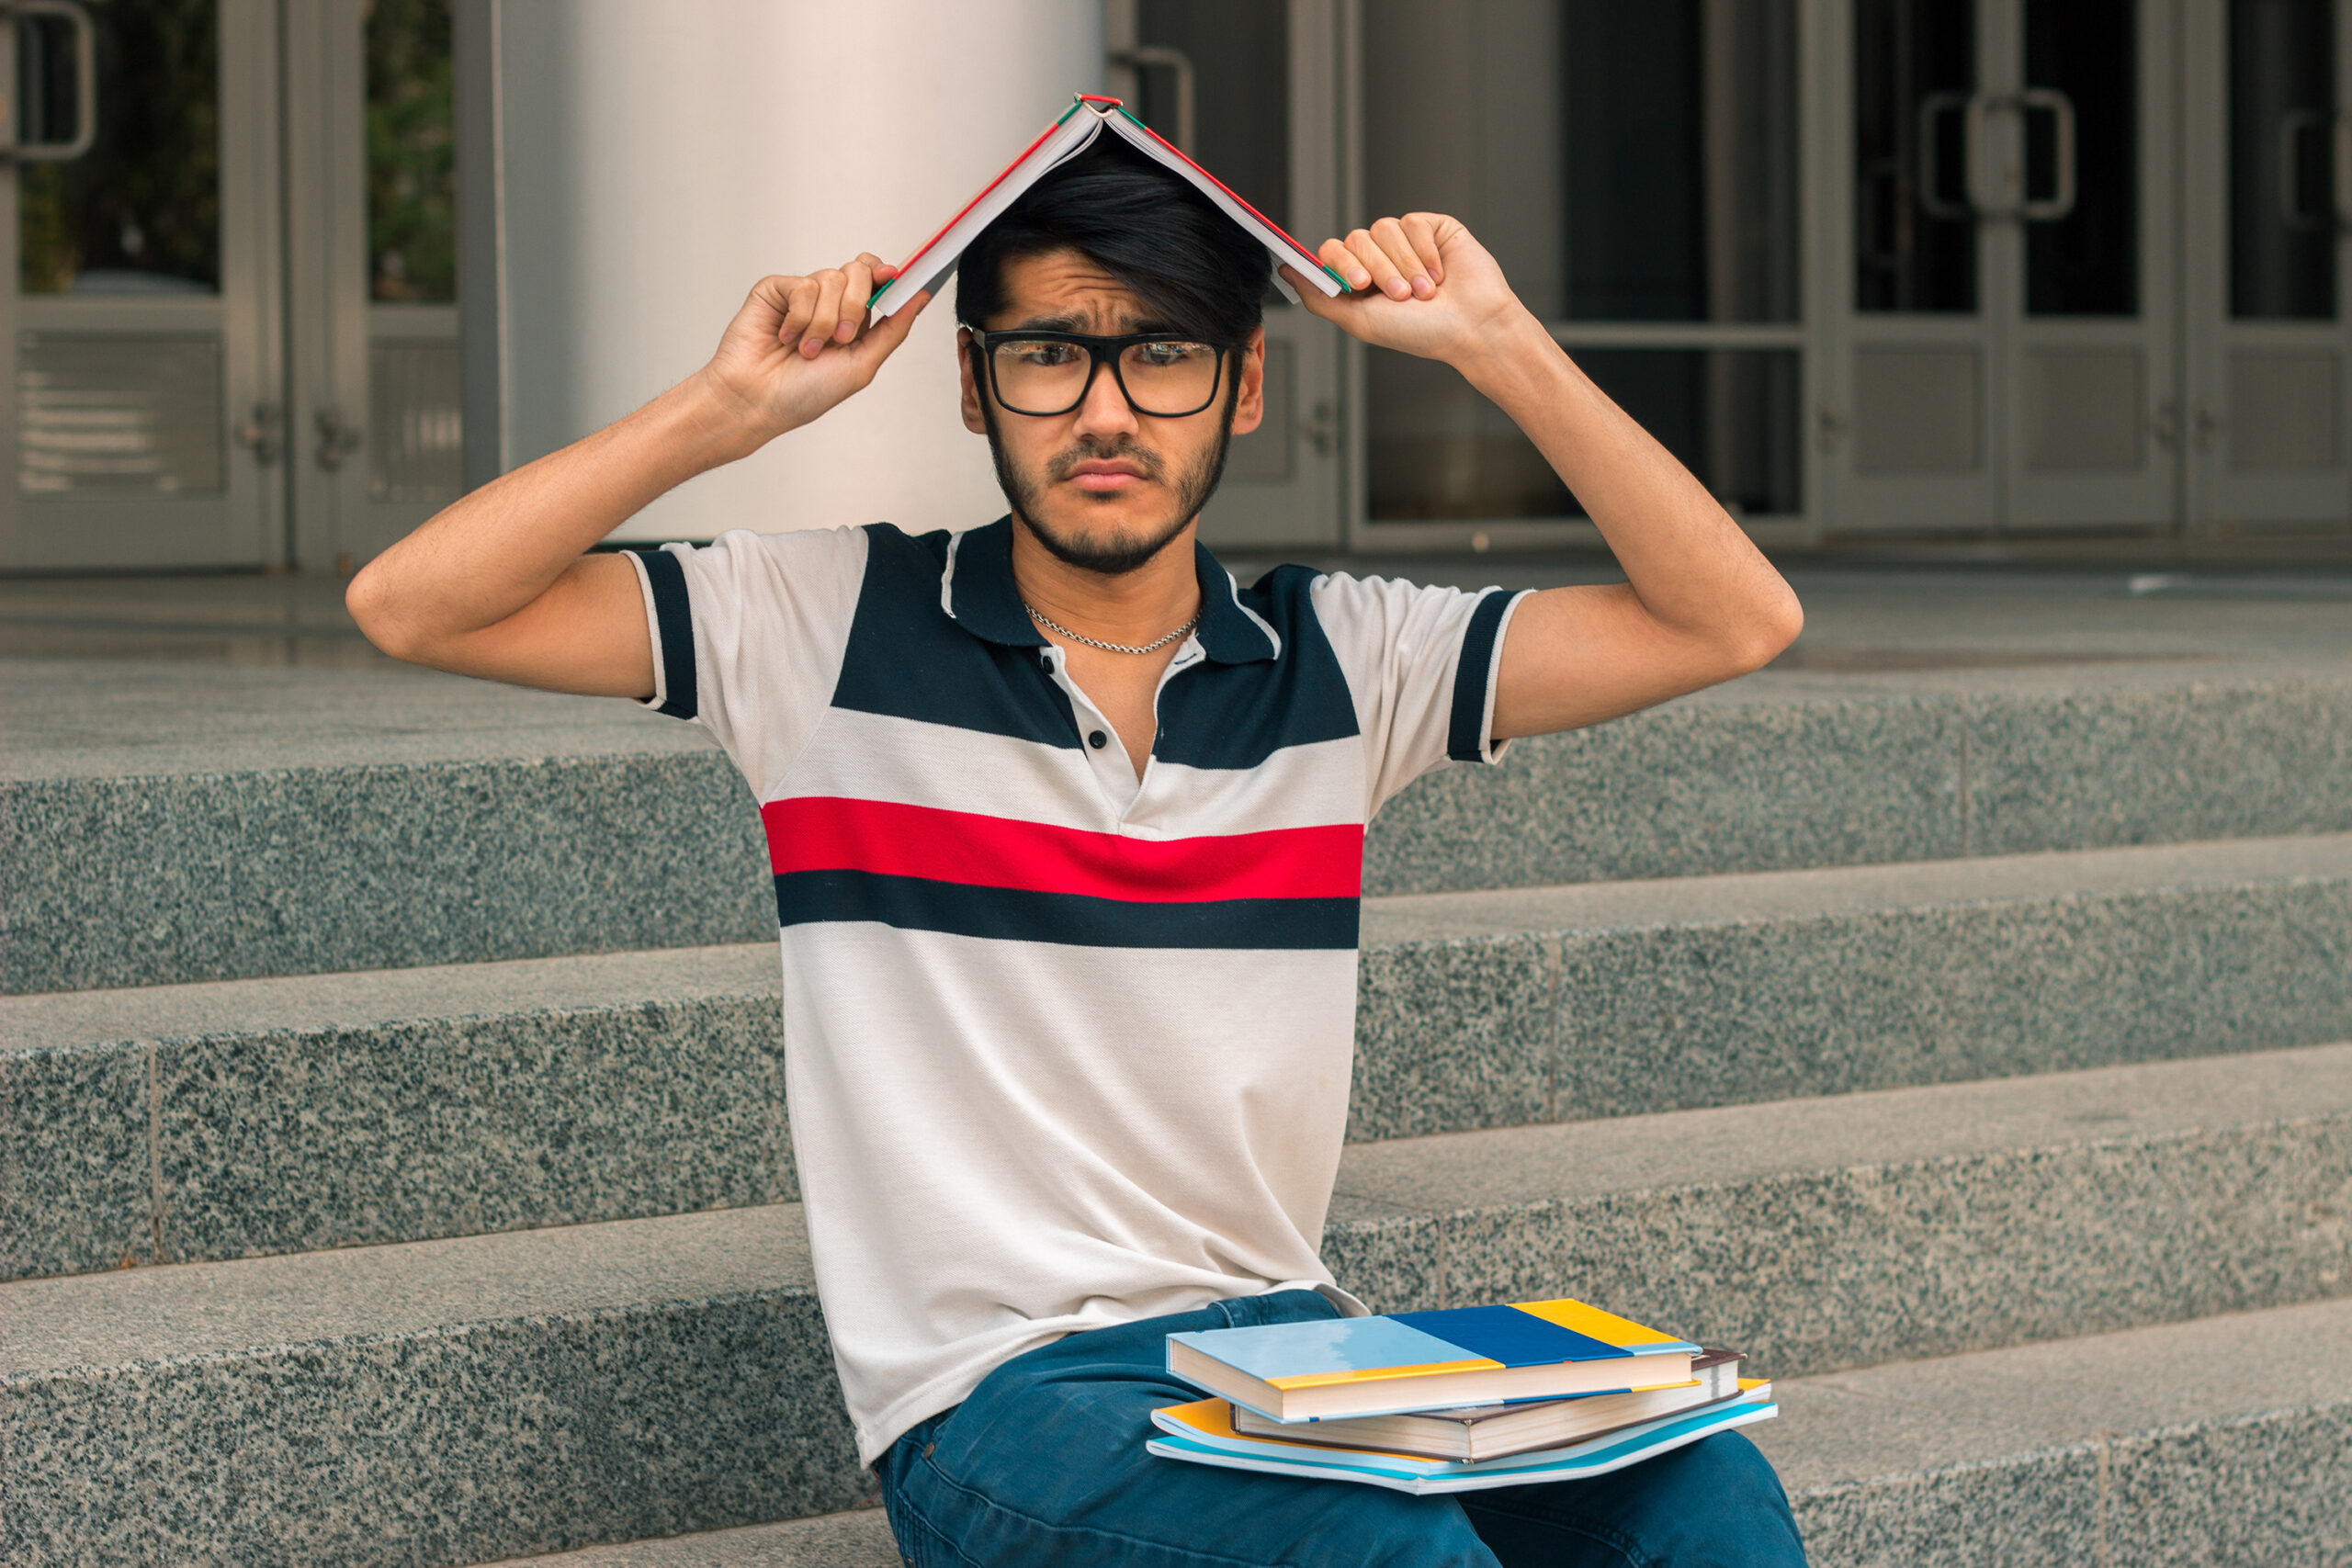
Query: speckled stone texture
[[1822, 1234], [1659, 1018], [2154, 766], [75, 1184], [1452, 1034], [1390, 1257], [1684, 790], [2036, 1508], [436, 1403], [130, 881], [438, 1448], [860, 1540], [1750, 781], [283, 1143]]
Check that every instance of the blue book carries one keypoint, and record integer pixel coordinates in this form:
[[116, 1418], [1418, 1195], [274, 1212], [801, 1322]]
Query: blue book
[[1329, 1368]]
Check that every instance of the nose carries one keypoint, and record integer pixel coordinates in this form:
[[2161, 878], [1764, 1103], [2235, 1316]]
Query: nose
[[1104, 410]]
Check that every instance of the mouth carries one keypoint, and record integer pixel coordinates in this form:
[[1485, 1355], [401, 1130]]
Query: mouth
[[1106, 478]]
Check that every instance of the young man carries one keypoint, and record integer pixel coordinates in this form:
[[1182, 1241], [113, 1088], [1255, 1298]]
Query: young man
[[1067, 829]]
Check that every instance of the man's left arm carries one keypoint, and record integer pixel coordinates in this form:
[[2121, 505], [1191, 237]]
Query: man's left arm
[[1700, 603]]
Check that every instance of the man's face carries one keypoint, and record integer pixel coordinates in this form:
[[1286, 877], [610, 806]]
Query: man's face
[[1104, 487]]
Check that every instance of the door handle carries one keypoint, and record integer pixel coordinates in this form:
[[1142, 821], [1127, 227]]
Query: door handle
[[264, 433], [1933, 110], [338, 439], [2060, 204], [2295, 127], [86, 86]]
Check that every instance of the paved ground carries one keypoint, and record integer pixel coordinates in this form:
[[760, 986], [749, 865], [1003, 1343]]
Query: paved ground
[[127, 675]]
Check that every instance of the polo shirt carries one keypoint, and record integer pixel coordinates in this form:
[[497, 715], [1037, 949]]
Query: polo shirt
[[1062, 1048]]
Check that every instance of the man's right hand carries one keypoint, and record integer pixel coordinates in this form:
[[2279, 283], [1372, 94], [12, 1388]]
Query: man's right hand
[[801, 344]]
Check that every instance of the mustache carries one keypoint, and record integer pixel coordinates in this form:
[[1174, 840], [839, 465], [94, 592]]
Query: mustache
[[1125, 448]]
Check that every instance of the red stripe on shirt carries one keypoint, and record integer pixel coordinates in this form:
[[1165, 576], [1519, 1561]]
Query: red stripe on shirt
[[831, 833]]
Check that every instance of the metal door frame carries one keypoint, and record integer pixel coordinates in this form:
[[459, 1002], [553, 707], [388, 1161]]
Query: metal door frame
[[244, 525], [2219, 500], [2000, 496]]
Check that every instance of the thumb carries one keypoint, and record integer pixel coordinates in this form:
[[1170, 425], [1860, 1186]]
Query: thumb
[[882, 339], [1315, 301]]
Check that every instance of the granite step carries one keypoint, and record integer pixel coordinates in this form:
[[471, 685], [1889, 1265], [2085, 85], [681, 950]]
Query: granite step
[[244, 853], [1831, 1233], [234, 1118], [2228, 1439], [448, 1402]]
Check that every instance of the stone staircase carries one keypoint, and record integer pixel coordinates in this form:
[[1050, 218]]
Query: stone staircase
[[397, 1172]]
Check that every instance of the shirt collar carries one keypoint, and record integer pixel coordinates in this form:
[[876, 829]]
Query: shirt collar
[[975, 590]]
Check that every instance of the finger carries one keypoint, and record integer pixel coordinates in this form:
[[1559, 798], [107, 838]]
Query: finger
[[883, 338], [800, 303], [827, 314], [1311, 297], [1421, 228], [1389, 233], [857, 286], [1336, 255], [1385, 275]]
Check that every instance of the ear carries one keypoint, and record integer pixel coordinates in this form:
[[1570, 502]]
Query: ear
[[1249, 408], [973, 420]]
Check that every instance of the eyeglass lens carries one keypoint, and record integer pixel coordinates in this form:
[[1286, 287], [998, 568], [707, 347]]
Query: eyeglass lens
[[1043, 376]]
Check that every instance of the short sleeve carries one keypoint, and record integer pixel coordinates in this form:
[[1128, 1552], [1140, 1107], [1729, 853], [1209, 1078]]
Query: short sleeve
[[1422, 663], [748, 636]]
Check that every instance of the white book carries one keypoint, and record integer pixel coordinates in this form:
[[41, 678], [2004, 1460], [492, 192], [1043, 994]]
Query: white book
[[1088, 117]]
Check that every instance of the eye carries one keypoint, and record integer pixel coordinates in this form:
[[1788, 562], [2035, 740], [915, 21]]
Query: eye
[[1161, 355], [1046, 356]]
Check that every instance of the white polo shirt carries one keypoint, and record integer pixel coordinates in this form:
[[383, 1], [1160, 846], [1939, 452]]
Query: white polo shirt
[[1063, 1049]]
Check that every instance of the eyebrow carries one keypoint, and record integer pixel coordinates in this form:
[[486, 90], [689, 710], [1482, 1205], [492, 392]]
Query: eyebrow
[[1066, 322]]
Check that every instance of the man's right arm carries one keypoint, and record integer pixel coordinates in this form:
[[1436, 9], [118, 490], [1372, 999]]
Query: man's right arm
[[499, 583]]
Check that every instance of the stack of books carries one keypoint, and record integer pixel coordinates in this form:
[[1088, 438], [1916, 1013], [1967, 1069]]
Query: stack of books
[[1454, 1400]]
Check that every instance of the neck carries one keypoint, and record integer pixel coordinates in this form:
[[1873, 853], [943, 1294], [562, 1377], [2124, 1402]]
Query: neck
[[1133, 608]]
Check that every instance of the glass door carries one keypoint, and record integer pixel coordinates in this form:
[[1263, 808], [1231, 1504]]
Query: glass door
[[2005, 340], [373, 376], [1250, 88], [2269, 211], [140, 303], [1638, 171]]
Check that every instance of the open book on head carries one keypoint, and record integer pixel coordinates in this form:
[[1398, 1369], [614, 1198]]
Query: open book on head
[[1087, 118]]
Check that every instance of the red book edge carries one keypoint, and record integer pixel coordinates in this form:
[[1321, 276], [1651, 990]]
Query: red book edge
[[920, 251], [1240, 200]]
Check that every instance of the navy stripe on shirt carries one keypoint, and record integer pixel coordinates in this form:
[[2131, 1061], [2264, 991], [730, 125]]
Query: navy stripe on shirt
[[1072, 919], [674, 615], [1465, 732]]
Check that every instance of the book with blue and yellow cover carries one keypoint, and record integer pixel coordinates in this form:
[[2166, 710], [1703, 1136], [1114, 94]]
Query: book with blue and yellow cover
[[1329, 1368]]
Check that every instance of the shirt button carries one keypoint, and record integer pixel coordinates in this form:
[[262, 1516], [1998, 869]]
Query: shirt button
[[1097, 740]]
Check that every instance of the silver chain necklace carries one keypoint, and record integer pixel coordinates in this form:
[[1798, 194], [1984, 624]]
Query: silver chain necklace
[[1054, 626]]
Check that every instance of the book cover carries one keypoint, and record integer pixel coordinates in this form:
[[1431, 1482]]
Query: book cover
[[1404, 1361], [1494, 1431], [1203, 1433], [1088, 116]]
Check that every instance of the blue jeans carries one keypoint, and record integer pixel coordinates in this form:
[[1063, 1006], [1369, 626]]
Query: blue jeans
[[1045, 1464]]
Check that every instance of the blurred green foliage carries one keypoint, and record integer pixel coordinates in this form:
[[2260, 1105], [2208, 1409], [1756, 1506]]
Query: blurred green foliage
[[412, 153], [146, 198]]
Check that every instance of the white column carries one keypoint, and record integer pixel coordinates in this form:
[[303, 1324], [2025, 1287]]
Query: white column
[[650, 162]]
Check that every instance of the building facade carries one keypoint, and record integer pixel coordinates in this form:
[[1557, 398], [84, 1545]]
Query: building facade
[[288, 274]]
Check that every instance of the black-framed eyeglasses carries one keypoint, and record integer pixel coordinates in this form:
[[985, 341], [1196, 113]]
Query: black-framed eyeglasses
[[1164, 375]]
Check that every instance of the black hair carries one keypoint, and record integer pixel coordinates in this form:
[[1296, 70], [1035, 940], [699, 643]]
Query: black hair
[[1146, 226]]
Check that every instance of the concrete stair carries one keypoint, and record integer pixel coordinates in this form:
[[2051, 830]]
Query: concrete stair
[[1967, 1048], [227, 1119], [445, 1402], [2227, 1440]]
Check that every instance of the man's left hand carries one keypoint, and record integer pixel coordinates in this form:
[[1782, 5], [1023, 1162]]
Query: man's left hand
[[1422, 285]]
